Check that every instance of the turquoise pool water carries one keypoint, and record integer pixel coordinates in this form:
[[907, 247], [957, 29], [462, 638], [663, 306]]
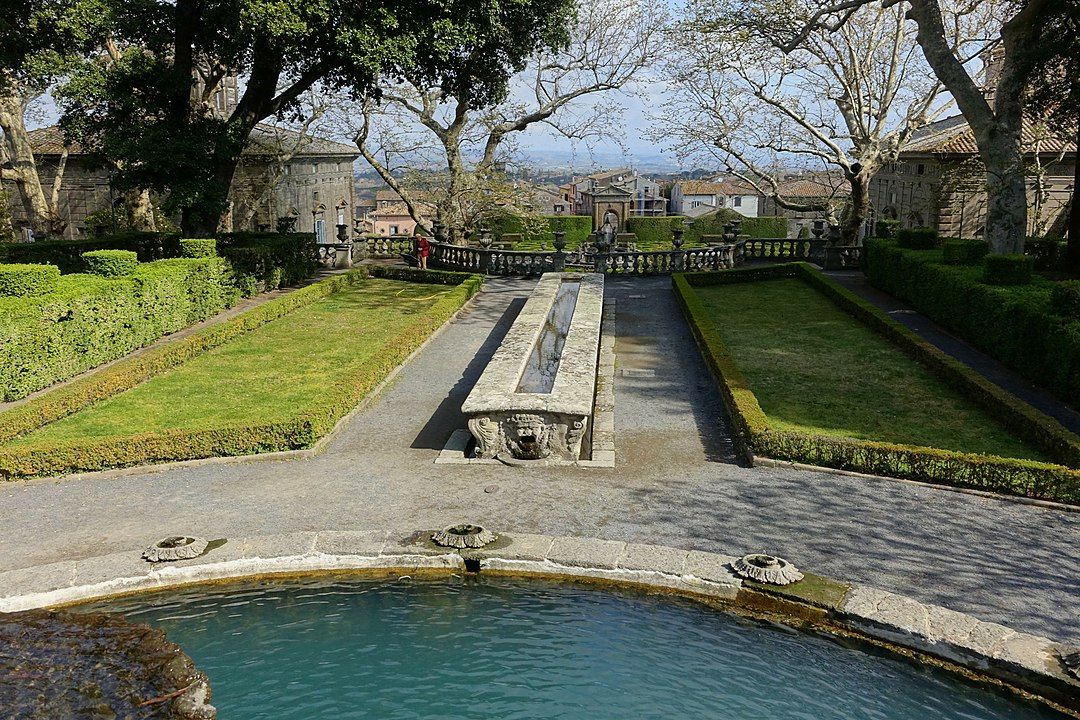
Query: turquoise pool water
[[496, 648]]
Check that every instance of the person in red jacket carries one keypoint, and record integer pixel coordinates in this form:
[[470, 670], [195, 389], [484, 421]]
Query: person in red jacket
[[423, 248]]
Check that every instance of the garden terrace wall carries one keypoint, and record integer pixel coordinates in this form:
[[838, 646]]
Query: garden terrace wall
[[301, 431], [755, 436], [1014, 324], [89, 320]]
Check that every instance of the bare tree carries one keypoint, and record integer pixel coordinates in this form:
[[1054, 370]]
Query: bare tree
[[611, 43], [995, 118], [847, 98], [18, 164]]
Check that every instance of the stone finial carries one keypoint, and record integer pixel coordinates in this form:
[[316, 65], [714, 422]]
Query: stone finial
[[464, 536], [560, 241], [175, 547], [677, 237], [767, 569]]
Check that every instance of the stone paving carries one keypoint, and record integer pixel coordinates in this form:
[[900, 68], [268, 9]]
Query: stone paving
[[675, 484]]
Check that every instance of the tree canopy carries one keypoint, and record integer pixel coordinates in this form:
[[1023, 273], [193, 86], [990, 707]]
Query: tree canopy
[[148, 104]]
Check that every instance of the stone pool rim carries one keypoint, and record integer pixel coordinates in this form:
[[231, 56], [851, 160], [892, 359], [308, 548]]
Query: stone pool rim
[[1025, 664]]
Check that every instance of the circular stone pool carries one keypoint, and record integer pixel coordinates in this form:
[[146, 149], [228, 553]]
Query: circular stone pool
[[501, 648]]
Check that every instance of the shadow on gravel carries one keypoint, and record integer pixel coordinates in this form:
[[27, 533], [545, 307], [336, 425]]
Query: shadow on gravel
[[447, 417]]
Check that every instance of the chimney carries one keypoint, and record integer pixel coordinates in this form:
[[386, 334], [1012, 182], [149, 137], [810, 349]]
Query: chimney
[[992, 60]]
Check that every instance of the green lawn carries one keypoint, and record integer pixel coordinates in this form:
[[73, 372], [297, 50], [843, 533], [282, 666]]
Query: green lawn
[[814, 368], [268, 375]]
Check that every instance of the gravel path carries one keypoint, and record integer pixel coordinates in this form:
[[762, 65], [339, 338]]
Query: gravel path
[[674, 484]]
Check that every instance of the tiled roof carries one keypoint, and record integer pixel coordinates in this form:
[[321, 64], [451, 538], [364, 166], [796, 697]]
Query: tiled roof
[[700, 187], [271, 138], [264, 138], [50, 141], [952, 136], [811, 188], [735, 187]]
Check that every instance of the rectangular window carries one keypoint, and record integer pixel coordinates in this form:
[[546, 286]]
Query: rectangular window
[[736, 201], [921, 168]]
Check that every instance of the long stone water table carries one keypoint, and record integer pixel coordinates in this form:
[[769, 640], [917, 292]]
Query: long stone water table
[[535, 398]]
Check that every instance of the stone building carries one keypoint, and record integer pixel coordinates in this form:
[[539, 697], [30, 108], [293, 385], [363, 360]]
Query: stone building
[[282, 174], [808, 190], [644, 197], [695, 198], [938, 181]]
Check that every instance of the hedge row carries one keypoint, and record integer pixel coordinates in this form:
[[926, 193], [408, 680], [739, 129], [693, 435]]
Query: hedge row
[[577, 229], [1014, 324], [259, 261], [301, 431], [89, 320], [126, 374], [755, 436], [23, 280]]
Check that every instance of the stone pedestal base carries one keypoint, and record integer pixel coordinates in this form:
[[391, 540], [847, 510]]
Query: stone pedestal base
[[529, 435]]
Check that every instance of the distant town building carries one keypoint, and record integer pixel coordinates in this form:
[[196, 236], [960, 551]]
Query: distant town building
[[644, 197], [695, 198], [817, 189], [938, 181]]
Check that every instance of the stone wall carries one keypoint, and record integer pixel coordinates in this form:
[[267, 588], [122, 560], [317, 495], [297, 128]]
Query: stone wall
[[950, 196], [309, 187]]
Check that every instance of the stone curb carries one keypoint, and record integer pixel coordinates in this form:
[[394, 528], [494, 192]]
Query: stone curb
[[1026, 661]]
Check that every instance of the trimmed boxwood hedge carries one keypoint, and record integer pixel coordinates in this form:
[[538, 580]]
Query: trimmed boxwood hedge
[[89, 320], [1065, 299], [1008, 269], [301, 431], [755, 436], [110, 263], [1014, 324], [964, 252], [23, 280], [577, 229], [259, 261], [919, 238], [198, 247]]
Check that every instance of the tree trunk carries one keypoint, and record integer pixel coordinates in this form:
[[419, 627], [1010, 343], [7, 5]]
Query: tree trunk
[[23, 169], [142, 211], [997, 130], [1072, 250], [857, 209]]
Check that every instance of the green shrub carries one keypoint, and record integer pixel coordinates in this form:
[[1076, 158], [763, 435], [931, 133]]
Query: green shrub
[[753, 434], [765, 227], [110, 263], [198, 247], [90, 320], [254, 257], [920, 238], [657, 232], [1014, 324], [886, 228], [541, 231], [67, 254], [1065, 299], [21, 280], [577, 228], [963, 252], [1008, 269], [408, 274], [1048, 253]]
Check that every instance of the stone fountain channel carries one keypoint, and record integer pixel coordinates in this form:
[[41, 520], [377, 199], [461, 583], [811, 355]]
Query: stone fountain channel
[[546, 396]]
